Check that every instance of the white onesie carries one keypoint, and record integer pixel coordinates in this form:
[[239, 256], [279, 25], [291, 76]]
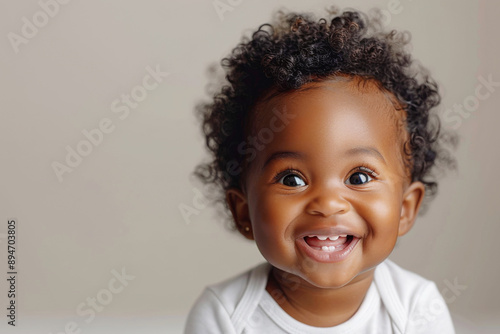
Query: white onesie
[[398, 301]]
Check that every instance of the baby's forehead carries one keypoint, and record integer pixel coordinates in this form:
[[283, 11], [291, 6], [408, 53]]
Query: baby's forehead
[[380, 100]]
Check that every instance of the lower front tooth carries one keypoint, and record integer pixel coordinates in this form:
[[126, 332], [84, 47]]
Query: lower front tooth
[[325, 248], [331, 248]]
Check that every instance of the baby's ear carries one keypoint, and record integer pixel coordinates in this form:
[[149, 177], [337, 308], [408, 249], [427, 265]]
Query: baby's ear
[[412, 199], [238, 204]]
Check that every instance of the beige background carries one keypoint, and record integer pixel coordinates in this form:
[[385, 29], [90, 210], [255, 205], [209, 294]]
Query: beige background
[[120, 207]]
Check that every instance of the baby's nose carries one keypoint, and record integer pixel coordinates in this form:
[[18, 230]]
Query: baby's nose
[[327, 201]]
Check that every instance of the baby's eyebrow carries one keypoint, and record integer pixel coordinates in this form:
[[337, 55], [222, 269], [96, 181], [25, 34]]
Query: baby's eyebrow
[[301, 156], [366, 150], [283, 155]]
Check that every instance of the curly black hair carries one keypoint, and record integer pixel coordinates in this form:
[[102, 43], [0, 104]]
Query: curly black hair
[[297, 49]]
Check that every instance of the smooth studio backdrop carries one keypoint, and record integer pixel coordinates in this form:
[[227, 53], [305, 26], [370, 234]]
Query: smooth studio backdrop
[[98, 140]]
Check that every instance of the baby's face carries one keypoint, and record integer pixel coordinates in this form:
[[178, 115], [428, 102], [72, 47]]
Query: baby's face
[[335, 171]]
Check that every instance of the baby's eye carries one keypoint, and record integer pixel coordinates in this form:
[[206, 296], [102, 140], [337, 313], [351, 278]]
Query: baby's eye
[[358, 178], [292, 180]]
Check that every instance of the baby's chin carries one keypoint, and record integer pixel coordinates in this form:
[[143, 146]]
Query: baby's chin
[[321, 276], [332, 283]]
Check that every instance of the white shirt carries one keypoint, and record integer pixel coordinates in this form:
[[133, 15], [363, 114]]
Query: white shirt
[[398, 301]]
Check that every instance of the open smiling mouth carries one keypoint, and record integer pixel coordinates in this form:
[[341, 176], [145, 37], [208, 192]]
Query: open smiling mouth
[[332, 248]]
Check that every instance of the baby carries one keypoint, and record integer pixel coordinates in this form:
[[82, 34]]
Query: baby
[[322, 146]]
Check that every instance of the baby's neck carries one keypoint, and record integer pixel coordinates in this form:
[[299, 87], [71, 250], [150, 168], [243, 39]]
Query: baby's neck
[[317, 306]]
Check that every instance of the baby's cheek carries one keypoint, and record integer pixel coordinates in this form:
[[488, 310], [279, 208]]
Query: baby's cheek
[[381, 212], [272, 218]]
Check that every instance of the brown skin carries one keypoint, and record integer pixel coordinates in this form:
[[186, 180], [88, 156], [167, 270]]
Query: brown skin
[[331, 117]]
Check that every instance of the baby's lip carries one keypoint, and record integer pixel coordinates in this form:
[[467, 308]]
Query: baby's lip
[[328, 232]]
